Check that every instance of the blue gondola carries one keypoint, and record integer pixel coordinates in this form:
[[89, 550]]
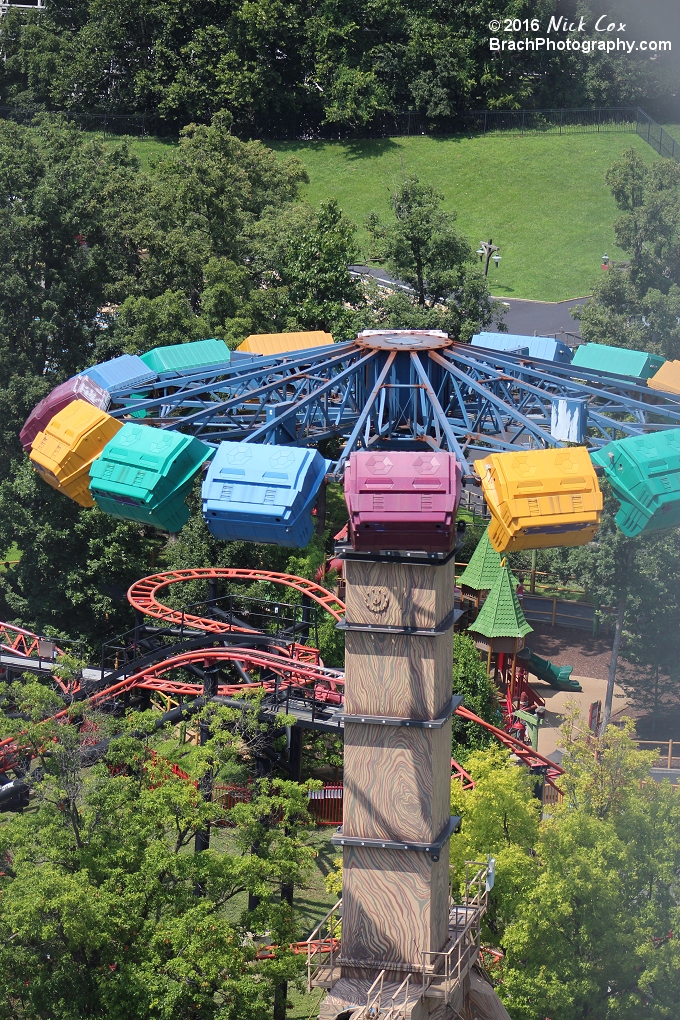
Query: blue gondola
[[545, 347], [262, 493], [123, 373]]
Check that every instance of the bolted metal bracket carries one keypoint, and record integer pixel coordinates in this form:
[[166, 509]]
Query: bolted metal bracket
[[392, 720], [376, 628], [433, 849]]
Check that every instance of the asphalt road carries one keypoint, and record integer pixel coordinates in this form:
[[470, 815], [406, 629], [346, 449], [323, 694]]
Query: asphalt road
[[541, 318], [528, 318]]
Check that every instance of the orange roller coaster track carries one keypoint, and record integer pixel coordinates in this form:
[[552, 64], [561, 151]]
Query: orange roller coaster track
[[18, 641], [143, 594], [326, 684]]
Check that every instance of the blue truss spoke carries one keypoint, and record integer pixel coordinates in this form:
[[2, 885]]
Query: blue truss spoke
[[301, 404], [495, 402], [629, 396], [366, 412], [457, 398], [260, 379], [444, 424]]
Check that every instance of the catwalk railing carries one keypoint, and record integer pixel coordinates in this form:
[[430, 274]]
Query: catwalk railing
[[442, 971]]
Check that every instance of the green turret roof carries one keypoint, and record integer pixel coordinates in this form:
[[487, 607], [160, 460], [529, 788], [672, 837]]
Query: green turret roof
[[501, 615], [482, 570]]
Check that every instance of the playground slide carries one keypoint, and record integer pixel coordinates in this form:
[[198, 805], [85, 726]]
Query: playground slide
[[558, 677]]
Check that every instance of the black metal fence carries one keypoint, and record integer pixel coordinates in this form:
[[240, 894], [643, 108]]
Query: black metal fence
[[136, 124], [600, 119], [465, 122], [657, 137]]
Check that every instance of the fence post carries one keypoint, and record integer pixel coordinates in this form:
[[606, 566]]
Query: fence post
[[485, 123], [560, 133], [670, 754], [554, 611]]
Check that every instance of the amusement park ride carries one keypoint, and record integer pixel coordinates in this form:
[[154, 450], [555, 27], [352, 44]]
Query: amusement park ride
[[412, 418]]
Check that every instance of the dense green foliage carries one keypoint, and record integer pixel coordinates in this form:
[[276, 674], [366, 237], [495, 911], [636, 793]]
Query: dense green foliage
[[102, 257], [637, 304], [471, 679], [585, 905], [106, 911], [280, 66]]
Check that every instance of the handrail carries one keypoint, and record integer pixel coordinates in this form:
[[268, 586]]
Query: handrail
[[373, 1005], [396, 1012], [466, 945], [318, 944], [464, 957]]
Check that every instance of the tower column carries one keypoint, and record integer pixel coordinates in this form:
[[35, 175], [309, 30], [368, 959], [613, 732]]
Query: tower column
[[397, 774]]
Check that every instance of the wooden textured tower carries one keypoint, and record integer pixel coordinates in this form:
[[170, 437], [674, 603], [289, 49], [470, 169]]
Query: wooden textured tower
[[397, 820]]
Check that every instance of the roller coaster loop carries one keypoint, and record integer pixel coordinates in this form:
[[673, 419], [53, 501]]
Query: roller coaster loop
[[143, 594]]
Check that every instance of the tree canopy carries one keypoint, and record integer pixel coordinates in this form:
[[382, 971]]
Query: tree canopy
[[585, 906], [638, 304], [286, 67], [106, 911]]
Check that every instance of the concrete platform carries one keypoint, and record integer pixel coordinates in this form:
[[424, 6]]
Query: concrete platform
[[549, 734]]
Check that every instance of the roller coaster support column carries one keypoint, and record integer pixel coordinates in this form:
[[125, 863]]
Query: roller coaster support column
[[295, 753], [287, 888], [205, 785], [397, 778]]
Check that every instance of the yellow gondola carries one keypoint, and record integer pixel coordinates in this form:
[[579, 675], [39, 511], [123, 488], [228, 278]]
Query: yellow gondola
[[541, 498], [63, 453]]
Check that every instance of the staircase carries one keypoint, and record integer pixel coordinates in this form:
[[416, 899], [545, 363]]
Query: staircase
[[443, 972]]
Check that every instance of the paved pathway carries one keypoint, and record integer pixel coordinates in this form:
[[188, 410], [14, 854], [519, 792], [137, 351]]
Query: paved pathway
[[542, 318], [528, 318]]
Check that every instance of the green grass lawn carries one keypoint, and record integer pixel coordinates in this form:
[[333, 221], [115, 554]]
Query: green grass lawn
[[673, 130], [542, 198], [12, 555]]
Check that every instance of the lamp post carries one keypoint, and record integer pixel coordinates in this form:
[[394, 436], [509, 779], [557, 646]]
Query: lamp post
[[488, 250]]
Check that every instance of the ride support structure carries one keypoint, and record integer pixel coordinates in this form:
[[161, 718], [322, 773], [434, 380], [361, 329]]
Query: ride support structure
[[454, 415], [397, 785]]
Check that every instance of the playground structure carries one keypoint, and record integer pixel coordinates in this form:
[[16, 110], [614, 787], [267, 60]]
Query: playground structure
[[419, 417]]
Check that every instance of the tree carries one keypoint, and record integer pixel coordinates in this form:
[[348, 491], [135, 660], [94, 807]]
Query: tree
[[421, 247], [289, 67], [300, 259], [63, 199], [500, 818], [76, 564], [591, 937], [471, 679], [355, 97], [100, 914], [585, 903], [639, 306]]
